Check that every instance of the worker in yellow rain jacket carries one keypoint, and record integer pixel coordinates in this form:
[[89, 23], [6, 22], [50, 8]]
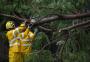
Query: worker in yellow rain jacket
[[20, 43], [27, 37]]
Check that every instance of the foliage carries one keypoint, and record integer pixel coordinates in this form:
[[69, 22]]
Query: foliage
[[44, 56], [77, 47], [41, 38]]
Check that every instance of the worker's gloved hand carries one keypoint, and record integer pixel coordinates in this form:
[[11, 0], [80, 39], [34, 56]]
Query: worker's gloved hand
[[30, 25], [35, 30]]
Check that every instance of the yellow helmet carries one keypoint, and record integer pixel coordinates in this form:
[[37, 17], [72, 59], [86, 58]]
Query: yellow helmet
[[10, 25], [22, 25]]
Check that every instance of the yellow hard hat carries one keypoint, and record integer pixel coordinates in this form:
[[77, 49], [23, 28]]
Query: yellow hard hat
[[22, 25], [10, 25]]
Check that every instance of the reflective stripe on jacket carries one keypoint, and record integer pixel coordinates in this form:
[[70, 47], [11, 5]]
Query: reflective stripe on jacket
[[26, 41]]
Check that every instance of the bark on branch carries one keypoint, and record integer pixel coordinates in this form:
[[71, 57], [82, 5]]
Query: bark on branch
[[11, 16], [56, 17], [46, 29], [52, 17], [75, 26]]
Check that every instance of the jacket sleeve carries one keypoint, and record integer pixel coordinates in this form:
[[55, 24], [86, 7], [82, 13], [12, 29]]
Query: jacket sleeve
[[26, 32], [9, 35], [31, 36]]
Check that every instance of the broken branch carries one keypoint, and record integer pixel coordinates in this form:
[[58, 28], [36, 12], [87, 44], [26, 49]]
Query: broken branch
[[75, 26], [56, 17]]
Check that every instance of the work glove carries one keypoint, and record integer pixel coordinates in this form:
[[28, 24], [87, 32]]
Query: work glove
[[35, 31], [30, 26]]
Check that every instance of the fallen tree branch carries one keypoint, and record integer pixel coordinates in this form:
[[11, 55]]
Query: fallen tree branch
[[63, 29], [46, 29], [52, 18], [75, 26], [11, 16], [85, 23]]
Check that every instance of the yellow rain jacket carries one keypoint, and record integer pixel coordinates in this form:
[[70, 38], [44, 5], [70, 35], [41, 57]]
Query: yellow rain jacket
[[14, 41], [26, 41]]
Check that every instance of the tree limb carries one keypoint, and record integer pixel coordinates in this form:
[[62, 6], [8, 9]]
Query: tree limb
[[56, 17], [11, 16], [75, 26], [46, 29], [52, 17], [63, 29], [87, 23]]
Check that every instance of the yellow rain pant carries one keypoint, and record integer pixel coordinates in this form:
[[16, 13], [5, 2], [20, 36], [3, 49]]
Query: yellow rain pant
[[18, 56]]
